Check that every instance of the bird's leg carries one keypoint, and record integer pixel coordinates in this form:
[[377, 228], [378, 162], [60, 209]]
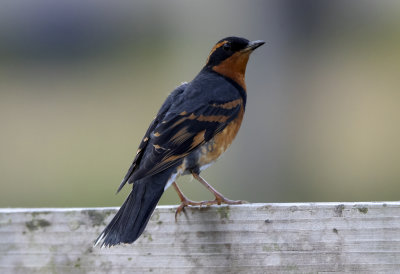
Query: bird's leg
[[219, 198], [186, 202]]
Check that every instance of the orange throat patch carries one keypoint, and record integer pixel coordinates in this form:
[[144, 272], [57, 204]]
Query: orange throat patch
[[234, 67]]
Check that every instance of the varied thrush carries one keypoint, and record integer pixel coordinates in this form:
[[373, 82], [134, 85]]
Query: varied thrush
[[196, 124]]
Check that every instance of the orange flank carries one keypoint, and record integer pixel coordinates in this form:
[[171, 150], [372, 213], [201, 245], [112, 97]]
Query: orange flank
[[221, 141]]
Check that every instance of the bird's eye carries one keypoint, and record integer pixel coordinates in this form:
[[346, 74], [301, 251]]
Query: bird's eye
[[226, 46]]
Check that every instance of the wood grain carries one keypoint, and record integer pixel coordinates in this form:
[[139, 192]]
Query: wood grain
[[251, 238]]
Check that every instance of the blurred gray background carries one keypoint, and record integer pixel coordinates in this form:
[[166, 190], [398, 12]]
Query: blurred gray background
[[80, 82]]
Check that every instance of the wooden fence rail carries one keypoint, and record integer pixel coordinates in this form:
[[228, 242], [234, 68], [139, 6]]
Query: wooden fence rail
[[251, 238]]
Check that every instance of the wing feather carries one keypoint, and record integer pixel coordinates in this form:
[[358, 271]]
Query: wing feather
[[182, 134], [192, 115]]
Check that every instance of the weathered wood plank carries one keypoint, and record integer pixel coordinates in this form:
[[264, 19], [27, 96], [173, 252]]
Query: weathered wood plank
[[252, 238]]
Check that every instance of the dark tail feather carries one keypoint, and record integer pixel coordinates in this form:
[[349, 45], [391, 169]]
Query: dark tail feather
[[133, 216]]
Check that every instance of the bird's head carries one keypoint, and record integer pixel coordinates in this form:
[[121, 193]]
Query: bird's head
[[230, 55]]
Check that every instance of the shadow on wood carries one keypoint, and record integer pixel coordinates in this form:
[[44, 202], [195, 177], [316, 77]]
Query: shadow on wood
[[251, 238]]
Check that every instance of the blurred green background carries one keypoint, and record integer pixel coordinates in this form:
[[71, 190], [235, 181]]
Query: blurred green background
[[80, 82]]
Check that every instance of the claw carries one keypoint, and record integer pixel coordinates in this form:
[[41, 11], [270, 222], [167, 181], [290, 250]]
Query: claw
[[186, 202], [217, 201], [219, 198], [179, 210]]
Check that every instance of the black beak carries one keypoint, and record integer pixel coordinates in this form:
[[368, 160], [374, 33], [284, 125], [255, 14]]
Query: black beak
[[252, 45]]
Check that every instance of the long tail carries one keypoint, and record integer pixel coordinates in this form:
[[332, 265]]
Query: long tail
[[133, 216]]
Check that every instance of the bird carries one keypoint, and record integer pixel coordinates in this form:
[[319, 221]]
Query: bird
[[194, 126]]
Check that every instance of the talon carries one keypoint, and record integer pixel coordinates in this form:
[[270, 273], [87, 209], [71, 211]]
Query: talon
[[179, 210], [219, 198], [222, 200]]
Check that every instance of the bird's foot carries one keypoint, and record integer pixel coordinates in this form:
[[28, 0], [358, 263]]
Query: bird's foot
[[186, 202], [219, 199]]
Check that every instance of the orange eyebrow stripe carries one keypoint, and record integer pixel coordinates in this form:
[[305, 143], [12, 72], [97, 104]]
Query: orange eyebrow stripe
[[215, 48], [229, 105]]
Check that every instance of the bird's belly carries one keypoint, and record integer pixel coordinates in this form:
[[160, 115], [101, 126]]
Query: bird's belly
[[210, 151]]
